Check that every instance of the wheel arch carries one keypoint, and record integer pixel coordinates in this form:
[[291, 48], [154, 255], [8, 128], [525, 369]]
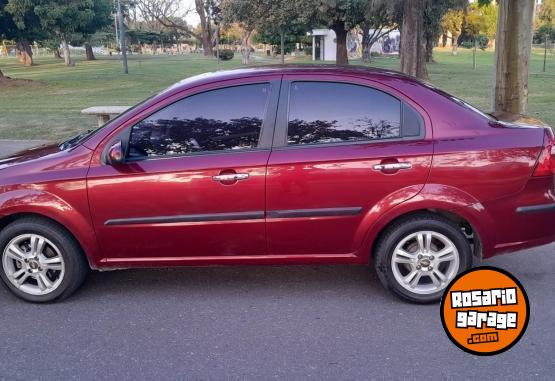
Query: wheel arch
[[19, 203], [8, 219], [447, 201], [471, 233]]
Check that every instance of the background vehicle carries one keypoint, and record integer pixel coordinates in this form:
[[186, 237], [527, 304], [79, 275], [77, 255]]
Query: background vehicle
[[281, 165]]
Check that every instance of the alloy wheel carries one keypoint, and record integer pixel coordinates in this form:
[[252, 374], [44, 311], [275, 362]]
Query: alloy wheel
[[33, 264], [425, 262]]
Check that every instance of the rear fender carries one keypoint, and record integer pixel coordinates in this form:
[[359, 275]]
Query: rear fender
[[432, 197]]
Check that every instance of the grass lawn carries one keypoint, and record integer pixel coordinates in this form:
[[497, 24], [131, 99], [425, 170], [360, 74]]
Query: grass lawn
[[49, 106]]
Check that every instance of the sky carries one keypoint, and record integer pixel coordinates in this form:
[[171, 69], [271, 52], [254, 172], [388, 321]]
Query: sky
[[192, 18]]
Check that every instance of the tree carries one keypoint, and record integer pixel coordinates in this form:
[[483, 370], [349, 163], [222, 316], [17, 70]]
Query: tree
[[64, 18], [340, 16], [546, 24], [479, 25], [452, 22], [381, 17], [19, 22], [172, 13], [285, 21], [433, 14], [413, 41], [512, 55], [247, 15], [102, 17], [474, 24]]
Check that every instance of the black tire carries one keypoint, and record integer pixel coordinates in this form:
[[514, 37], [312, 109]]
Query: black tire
[[393, 235], [76, 266]]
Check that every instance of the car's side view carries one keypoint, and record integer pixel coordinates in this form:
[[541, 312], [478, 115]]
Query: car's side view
[[281, 165]]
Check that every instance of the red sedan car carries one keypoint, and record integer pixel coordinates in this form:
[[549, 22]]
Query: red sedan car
[[281, 165]]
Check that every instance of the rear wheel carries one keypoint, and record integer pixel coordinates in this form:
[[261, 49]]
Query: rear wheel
[[41, 261], [417, 257]]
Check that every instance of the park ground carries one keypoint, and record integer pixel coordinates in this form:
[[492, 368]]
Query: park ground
[[48, 106]]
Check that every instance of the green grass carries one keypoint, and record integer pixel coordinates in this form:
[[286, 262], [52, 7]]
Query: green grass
[[49, 107]]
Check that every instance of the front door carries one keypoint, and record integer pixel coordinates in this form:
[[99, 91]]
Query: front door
[[194, 181], [340, 150]]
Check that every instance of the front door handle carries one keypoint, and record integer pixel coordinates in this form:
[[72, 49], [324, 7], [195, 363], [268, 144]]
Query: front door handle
[[392, 166], [231, 177]]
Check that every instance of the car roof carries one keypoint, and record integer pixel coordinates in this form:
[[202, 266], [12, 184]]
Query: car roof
[[347, 70]]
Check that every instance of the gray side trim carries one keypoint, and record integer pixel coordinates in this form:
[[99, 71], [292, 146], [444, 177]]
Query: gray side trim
[[320, 212], [535, 208], [257, 215]]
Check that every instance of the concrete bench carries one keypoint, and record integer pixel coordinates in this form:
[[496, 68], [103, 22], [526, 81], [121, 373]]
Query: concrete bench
[[103, 113]]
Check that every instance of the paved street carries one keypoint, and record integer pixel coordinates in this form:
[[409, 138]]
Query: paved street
[[303, 322], [298, 322], [8, 147]]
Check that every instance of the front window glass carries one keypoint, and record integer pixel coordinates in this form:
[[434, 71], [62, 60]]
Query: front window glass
[[217, 120]]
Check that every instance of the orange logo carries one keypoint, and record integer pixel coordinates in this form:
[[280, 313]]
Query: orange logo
[[485, 311]]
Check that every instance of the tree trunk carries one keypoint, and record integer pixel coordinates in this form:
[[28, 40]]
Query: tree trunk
[[413, 46], [545, 51], [282, 48], [474, 54], [89, 52], [205, 28], [1, 74], [429, 49], [57, 53], [24, 53], [245, 48], [455, 44], [512, 55], [366, 54], [67, 57], [341, 57]]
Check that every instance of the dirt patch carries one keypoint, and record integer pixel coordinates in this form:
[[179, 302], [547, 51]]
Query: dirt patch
[[15, 82]]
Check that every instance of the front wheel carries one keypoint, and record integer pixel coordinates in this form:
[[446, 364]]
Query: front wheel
[[40, 261], [417, 257]]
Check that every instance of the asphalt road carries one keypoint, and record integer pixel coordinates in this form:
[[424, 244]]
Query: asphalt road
[[298, 322], [7, 147]]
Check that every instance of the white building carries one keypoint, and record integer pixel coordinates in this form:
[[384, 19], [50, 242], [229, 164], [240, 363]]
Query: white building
[[324, 44]]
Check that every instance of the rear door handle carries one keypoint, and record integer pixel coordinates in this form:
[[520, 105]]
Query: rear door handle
[[231, 177], [392, 166]]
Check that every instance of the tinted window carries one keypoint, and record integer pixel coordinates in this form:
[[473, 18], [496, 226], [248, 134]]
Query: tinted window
[[413, 125], [321, 112], [223, 119]]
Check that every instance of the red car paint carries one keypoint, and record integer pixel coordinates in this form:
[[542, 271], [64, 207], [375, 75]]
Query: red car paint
[[465, 164]]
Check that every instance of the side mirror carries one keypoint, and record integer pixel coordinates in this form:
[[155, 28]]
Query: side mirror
[[115, 153]]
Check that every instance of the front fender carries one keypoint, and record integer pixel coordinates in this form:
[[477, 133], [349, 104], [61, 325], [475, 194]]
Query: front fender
[[74, 217]]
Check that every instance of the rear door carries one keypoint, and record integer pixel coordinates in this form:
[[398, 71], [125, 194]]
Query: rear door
[[193, 184], [342, 147]]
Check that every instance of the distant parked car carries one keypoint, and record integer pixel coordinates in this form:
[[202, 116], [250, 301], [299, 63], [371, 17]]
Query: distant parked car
[[281, 165]]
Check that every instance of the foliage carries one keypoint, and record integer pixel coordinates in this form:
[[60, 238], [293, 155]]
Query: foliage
[[545, 22], [482, 42], [225, 54], [452, 22], [381, 16], [64, 17], [436, 10], [480, 20], [19, 22]]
